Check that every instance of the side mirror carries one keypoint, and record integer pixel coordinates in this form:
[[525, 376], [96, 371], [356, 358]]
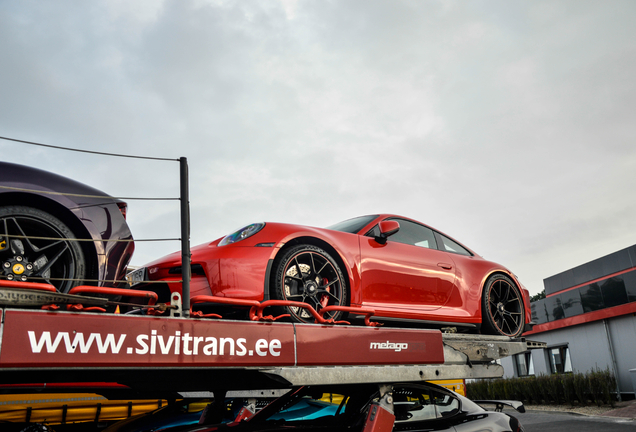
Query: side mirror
[[387, 229]]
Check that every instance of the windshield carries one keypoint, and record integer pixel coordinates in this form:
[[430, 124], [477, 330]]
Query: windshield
[[354, 225]]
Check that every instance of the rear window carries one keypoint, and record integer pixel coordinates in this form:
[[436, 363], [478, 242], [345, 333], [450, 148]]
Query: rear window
[[450, 246]]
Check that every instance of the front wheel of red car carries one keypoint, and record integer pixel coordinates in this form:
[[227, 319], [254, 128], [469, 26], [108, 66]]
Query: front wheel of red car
[[502, 308], [308, 274]]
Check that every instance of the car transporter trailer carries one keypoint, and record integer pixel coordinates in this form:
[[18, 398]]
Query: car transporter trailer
[[70, 341]]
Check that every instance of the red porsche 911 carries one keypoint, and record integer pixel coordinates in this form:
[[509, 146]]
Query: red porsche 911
[[404, 270]]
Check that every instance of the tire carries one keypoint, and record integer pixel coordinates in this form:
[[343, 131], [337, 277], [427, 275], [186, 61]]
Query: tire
[[502, 307], [322, 282], [47, 254]]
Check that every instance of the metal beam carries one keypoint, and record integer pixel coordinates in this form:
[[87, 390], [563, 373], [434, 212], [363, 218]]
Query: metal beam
[[383, 374], [185, 235]]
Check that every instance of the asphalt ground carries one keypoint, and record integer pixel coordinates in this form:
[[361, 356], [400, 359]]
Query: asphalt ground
[[549, 421]]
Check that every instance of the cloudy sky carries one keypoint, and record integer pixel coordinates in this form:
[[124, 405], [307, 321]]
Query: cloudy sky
[[509, 125]]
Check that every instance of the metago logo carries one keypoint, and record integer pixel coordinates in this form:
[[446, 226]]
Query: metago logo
[[389, 346]]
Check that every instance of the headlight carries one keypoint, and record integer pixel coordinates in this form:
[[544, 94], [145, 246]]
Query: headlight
[[242, 234]]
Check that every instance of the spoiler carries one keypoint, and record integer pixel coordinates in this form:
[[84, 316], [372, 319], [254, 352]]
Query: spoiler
[[499, 404]]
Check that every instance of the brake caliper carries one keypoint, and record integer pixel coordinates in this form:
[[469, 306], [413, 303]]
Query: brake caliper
[[17, 267]]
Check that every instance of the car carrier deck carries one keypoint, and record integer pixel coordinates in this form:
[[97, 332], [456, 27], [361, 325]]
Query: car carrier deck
[[191, 354], [67, 345]]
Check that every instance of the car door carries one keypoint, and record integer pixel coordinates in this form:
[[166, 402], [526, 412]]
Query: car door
[[407, 272]]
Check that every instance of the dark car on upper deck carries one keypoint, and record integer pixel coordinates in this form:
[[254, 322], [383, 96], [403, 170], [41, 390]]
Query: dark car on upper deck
[[59, 231]]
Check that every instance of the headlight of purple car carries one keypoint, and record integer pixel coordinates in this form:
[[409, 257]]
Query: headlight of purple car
[[242, 234]]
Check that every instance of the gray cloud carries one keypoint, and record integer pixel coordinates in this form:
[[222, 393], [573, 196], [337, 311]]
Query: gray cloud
[[508, 125]]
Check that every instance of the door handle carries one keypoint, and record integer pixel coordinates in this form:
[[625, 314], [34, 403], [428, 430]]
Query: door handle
[[445, 266]]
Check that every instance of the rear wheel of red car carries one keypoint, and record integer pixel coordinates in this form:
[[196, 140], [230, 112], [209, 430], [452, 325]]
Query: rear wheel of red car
[[502, 307], [308, 274], [35, 246]]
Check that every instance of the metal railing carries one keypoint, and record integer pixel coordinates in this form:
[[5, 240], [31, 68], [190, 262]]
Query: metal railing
[[184, 211]]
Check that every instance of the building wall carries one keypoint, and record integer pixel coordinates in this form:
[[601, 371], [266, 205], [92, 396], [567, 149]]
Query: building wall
[[509, 367], [623, 334], [589, 349], [588, 308]]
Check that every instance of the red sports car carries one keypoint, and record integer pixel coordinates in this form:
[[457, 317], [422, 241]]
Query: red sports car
[[404, 270]]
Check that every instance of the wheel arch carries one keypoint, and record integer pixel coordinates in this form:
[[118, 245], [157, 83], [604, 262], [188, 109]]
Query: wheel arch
[[508, 274], [491, 274], [314, 241], [65, 215]]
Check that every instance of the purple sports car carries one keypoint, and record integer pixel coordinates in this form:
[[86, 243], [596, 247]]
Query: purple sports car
[[59, 231]]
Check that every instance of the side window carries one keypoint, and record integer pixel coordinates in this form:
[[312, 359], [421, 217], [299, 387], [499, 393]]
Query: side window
[[414, 234], [524, 364], [412, 404], [449, 245], [373, 232], [560, 359]]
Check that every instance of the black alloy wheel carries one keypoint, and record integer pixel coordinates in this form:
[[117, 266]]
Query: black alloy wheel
[[37, 247], [503, 312], [308, 274]]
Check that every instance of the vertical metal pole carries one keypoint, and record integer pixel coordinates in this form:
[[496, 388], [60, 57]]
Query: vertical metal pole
[[614, 364], [185, 236]]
